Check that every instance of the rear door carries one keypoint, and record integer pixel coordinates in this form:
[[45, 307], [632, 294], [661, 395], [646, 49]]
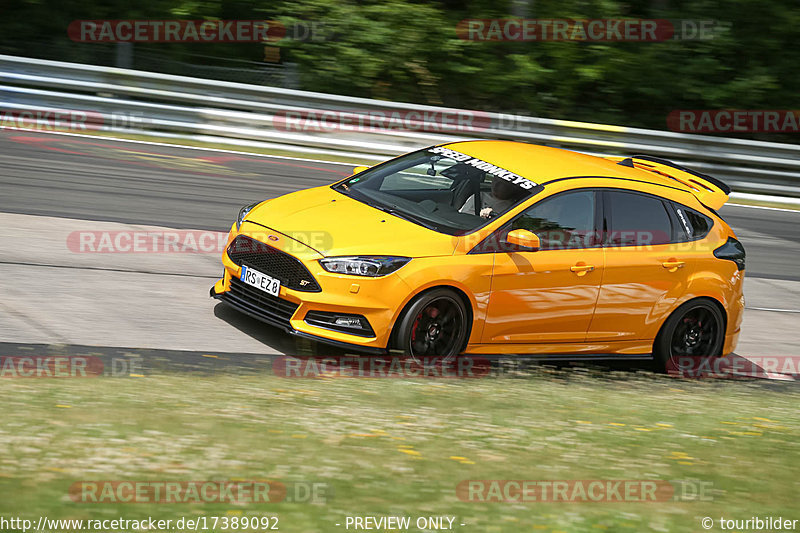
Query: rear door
[[645, 273]]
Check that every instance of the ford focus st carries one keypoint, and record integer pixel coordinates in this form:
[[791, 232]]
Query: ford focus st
[[496, 247]]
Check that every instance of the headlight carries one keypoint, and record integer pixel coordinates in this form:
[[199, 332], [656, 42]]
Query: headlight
[[243, 213], [371, 265]]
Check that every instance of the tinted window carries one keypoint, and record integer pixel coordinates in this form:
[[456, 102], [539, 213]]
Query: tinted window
[[637, 220], [693, 225], [565, 221]]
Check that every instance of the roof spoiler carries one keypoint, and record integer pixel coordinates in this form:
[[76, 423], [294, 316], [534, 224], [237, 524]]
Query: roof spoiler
[[711, 192]]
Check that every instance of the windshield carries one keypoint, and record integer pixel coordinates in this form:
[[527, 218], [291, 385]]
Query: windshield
[[441, 189]]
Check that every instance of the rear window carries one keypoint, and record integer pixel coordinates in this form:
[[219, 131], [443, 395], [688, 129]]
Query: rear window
[[637, 220], [692, 224]]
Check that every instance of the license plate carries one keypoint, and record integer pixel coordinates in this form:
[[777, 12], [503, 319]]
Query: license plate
[[261, 281]]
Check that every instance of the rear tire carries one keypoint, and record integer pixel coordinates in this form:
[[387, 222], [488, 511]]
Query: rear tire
[[695, 329], [433, 325]]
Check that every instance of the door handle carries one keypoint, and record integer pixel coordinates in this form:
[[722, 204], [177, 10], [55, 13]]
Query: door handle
[[581, 268], [673, 264]]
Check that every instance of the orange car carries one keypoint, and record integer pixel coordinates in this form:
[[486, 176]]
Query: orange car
[[496, 247]]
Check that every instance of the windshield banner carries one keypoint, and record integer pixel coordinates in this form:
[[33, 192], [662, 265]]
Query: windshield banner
[[489, 168]]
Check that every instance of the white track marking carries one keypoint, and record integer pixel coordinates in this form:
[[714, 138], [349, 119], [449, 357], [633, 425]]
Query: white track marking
[[324, 161], [170, 145], [764, 207]]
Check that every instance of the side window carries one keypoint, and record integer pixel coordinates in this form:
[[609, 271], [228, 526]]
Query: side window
[[693, 225], [637, 220], [563, 222]]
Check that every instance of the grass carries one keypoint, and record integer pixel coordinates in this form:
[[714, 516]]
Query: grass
[[400, 447]]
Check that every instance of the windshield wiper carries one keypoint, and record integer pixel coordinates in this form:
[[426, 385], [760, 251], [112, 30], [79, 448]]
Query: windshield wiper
[[392, 210]]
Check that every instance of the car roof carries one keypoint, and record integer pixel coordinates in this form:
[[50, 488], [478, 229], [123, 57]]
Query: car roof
[[543, 164]]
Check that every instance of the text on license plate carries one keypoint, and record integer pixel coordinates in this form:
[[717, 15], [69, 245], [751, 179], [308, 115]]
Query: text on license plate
[[261, 281]]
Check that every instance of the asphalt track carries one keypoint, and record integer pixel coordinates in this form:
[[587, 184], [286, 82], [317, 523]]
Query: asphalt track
[[95, 179], [53, 185]]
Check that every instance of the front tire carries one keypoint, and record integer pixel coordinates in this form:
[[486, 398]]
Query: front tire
[[695, 329], [434, 325]]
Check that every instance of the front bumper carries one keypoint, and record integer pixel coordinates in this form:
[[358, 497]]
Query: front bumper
[[249, 309], [379, 300]]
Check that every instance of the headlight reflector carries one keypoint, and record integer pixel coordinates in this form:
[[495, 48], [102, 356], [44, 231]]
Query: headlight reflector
[[243, 213], [372, 266]]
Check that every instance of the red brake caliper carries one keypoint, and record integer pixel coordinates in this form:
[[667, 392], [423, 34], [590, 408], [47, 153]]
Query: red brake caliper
[[414, 328]]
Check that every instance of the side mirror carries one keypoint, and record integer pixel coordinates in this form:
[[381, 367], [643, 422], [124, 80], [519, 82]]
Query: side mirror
[[523, 238], [359, 169]]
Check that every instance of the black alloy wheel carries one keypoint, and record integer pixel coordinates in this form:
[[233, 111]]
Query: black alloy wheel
[[434, 325], [696, 329]]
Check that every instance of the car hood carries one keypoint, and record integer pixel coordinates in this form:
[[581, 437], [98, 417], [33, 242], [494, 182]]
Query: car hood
[[334, 224]]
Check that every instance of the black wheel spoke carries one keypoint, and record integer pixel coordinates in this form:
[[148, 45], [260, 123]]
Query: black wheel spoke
[[439, 346], [703, 317], [421, 346], [448, 316]]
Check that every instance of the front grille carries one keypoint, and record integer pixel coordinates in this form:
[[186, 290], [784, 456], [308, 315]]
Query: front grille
[[273, 262], [259, 303]]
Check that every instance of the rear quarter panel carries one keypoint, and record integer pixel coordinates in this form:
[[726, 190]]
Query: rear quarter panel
[[715, 278]]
